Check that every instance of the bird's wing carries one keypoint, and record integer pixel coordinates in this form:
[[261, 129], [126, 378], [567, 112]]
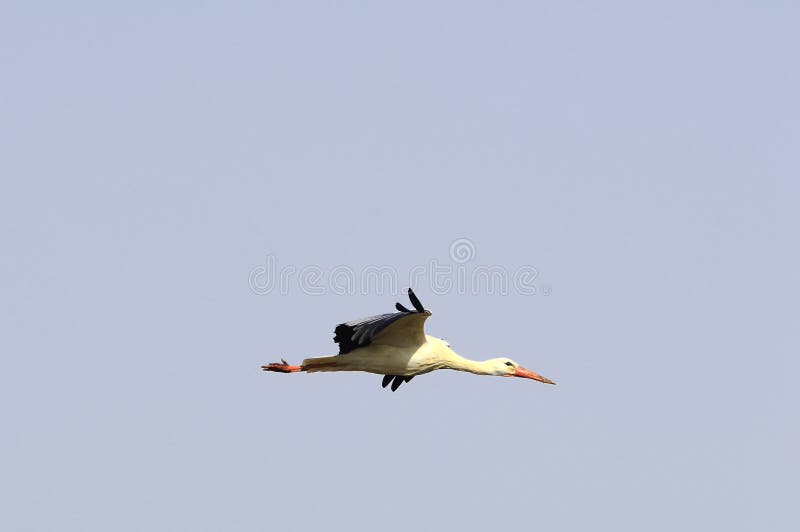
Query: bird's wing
[[404, 328], [408, 330]]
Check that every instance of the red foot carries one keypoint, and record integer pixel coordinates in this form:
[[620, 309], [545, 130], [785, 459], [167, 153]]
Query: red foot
[[282, 367]]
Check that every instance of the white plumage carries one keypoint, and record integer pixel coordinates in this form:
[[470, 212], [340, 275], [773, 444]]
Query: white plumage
[[395, 345]]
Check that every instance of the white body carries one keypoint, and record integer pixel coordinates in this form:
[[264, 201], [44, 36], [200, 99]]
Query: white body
[[409, 360]]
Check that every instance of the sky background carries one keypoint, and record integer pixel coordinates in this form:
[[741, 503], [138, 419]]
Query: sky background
[[642, 157]]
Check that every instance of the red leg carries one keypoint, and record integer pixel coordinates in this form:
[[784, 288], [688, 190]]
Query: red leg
[[282, 367]]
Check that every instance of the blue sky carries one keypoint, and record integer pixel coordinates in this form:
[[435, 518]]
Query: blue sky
[[641, 158]]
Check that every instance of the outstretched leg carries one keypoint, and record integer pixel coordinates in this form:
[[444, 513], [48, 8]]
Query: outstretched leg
[[282, 367]]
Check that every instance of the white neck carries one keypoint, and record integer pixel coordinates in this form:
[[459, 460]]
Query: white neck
[[446, 358], [459, 363]]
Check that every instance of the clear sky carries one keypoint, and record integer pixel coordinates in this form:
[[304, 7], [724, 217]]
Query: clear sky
[[641, 159]]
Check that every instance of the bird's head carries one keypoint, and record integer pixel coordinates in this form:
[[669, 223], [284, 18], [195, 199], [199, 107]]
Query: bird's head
[[505, 367]]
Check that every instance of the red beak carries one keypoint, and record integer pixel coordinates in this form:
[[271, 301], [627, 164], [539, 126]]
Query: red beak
[[528, 374]]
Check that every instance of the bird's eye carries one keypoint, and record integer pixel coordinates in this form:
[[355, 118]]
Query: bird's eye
[[509, 363]]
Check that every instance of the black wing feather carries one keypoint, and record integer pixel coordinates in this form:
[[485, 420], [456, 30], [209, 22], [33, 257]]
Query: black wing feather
[[415, 301], [359, 333], [398, 380]]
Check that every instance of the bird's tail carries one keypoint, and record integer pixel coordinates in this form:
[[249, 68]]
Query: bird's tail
[[322, 364]]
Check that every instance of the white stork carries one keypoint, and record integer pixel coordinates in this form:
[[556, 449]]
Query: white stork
[[395, 345]]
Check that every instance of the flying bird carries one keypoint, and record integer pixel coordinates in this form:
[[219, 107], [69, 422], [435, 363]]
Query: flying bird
[[395, 345]]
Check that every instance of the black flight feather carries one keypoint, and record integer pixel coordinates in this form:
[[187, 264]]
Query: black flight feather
[[415, 301], [398, 380]]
